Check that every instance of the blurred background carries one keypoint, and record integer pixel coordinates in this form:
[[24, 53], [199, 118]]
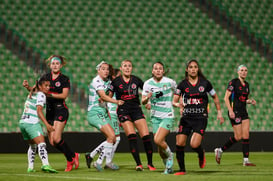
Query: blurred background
[[221, 34]]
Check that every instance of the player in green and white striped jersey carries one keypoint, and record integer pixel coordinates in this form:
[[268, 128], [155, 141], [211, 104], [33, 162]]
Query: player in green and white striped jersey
[[31, 128], [98, 115], [157, 96]]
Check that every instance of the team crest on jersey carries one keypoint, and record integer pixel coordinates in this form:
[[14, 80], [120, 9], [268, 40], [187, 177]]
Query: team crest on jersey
[[133, 86], [164, 87], [58, 84], [187, 90], [201, 89]]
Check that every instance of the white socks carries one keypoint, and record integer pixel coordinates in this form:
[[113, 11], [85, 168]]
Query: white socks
[[108, 148], [43, 153], [98, 149], [168, 151], [115, 147], [31, 155]]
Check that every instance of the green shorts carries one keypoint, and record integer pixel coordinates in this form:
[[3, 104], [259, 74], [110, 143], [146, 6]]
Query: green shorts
[[31, 131], [114, 123], [98, 119], [166, 123]]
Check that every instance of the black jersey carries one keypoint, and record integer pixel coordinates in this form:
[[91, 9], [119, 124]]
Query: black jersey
[[56, 87], [239, 94], [195, 98], [127, 91]]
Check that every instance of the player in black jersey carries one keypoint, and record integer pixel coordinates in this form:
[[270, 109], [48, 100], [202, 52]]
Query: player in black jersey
[[56, 109], [130, 113], [236, 98], [192, 91]]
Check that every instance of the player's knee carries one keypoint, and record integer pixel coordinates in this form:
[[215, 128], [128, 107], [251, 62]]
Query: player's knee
[[158, 141], [238, 137], [195, 145]]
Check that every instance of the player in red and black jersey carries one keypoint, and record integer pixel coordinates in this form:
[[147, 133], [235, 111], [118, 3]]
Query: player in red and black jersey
[[130, 113], [236, 98], [56, 110], [192, 91]]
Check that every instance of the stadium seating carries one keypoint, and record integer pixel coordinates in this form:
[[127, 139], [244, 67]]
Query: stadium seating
[[13, 95], [255, 15], [143, 31]]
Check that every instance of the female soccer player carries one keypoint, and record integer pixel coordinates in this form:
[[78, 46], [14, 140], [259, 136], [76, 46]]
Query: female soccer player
[[236, 98], [31, 128], [56, 109], [159, 90], [98, 114], [193, 90], [130, 113], [112, 108]]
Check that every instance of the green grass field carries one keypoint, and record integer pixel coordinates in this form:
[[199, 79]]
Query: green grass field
[[13, 167]]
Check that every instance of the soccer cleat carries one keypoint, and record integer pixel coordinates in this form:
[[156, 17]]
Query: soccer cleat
[[218, 154], [202, 163], [151, 167], [48, 168], [180, 173], [248, 163], [69, 166], [169, 163], [76, 160], [168, 171], [88, 159], [30, 170], [111, 166], [98, 166], [139, 168]]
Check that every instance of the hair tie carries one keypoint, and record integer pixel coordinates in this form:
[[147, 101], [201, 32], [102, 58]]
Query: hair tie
[[57, 59], [100, 64], [241, 66]]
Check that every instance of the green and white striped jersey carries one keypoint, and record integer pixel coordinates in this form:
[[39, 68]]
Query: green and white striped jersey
[[161, 100], [30, 109], [97, 84]]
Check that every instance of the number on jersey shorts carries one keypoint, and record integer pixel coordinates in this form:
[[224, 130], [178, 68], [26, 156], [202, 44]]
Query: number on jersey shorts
[[114, 123]]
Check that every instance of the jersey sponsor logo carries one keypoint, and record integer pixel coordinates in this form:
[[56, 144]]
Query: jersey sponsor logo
[[194, 101], [158, 94], [242, 98], [160, 103], [201, 89], [58, 84], [127, 97], [133, 86]]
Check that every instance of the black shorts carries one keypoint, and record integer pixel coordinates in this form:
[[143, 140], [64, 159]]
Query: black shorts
[[239, 116], [132, 114], [56, 113], [188, 125]]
